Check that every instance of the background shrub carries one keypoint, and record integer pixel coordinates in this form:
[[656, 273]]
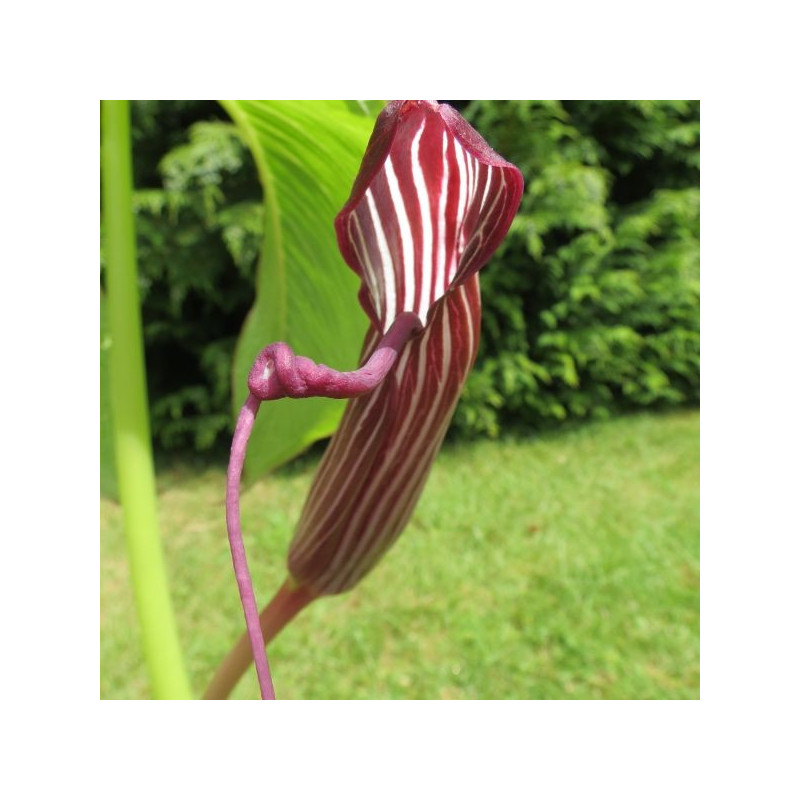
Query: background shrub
[[591, 306]]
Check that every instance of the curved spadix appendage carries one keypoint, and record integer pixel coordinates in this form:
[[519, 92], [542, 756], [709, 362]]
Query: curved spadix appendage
[[278, 372]]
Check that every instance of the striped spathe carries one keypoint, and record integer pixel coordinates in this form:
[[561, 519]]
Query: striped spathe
[[375, 467], [429, 206]]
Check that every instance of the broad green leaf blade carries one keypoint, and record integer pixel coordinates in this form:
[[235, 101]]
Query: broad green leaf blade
[[307, 153], [370, 108]]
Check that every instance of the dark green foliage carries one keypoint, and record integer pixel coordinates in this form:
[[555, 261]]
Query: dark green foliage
[[592, 304], [199, 227]]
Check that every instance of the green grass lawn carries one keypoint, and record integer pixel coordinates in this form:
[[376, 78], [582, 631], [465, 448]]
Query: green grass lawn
[[562, 567]]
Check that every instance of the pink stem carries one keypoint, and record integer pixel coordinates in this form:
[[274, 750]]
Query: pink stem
[[244, 426], [289, 600]]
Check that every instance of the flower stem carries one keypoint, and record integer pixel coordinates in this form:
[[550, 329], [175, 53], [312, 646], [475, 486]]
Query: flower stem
[[289, 601], [128, 391], [244, 427]]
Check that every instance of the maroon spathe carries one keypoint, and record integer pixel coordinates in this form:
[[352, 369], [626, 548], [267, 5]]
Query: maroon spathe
[[430, 205]]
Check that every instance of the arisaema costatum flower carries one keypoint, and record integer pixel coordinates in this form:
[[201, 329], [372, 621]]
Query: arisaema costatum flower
[[430, 205]]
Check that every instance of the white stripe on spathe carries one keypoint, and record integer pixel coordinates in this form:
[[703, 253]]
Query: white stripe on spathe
[[462, 199], [406, 237], [372, 278], [387, 263], [489, 177], [470, 182], [426, 212], [441, 256]]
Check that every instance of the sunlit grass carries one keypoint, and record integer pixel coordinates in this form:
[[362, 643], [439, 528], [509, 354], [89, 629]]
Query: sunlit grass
[[560, 567]]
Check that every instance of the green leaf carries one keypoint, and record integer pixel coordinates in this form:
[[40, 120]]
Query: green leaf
[[368, 108], [308, 154]]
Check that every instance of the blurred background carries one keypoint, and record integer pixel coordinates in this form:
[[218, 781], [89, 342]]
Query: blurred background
[[555, 552]]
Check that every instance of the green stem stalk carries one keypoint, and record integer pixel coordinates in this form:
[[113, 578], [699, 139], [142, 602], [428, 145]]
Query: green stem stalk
[[134, 458]]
